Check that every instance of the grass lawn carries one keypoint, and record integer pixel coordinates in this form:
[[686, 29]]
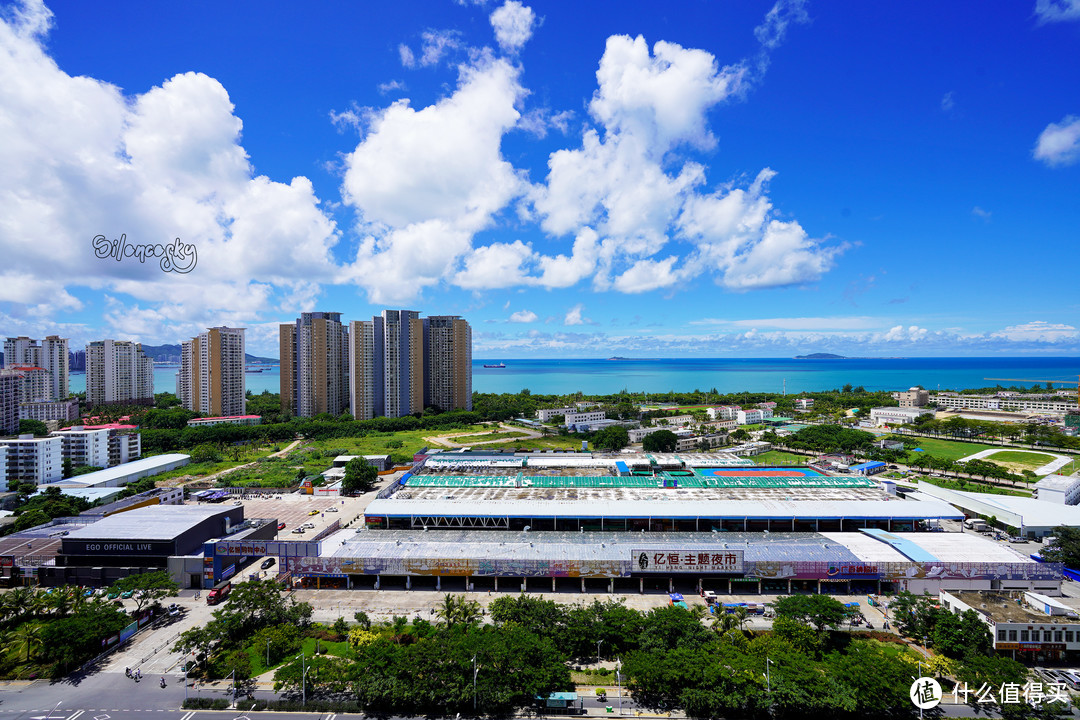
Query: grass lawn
[[1017, 460], [950, 449], [339, 649], [485, 437], [779, 457], [559, 442], [974, 486], [245, 455]]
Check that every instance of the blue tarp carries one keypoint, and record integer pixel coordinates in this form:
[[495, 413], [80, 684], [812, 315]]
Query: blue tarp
[[676, 597]]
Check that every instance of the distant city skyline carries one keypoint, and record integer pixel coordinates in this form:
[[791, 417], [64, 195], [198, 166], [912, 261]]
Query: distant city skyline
[[754, 180]]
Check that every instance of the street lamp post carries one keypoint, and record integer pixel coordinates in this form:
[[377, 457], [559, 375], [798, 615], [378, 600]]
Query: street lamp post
[[598, 652], [303, 681], [618, 682], [475, 671], [267, 653], [768, 681]]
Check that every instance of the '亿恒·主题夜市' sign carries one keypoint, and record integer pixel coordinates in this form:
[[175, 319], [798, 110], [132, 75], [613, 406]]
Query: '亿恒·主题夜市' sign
[[687, 561]]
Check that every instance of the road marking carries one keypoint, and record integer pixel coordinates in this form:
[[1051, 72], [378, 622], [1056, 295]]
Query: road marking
[[102, 717], [76, 714], [188, 716]]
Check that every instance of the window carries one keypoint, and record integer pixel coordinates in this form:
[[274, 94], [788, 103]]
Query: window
[[1057, 636], [1068, 636], [1023, 636], [1046, 636], [1001, 636]]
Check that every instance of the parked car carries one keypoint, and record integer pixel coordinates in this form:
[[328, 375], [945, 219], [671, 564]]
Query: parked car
[[281, 526], [299, 531], [1018, 539], [313, 512], [268, 562], [174, 610], [331, 509]]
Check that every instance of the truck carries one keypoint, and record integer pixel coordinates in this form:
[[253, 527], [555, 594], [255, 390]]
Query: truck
[[219, 593], [975, 524]]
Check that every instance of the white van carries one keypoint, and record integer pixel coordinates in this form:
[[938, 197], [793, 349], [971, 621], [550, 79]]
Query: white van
[[975, 524]]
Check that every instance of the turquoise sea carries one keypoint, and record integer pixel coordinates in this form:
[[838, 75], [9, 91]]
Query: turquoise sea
[[732, 375], [727, 375]]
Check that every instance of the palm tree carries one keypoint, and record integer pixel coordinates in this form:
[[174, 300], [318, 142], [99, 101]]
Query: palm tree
[[20, 602], [25, 637]]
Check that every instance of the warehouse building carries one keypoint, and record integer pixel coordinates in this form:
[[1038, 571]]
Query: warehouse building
[[160, 537], [738, 563]]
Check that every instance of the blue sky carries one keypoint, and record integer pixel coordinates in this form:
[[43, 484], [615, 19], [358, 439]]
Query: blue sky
[[636, 178]]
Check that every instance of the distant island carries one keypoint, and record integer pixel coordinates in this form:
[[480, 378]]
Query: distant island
[[820, 356], [617, 357]]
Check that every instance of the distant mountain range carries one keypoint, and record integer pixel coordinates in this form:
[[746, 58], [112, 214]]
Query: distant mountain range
[[171, 353]]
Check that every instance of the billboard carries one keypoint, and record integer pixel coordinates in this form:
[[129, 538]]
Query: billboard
[[258, 548], [687, 561]]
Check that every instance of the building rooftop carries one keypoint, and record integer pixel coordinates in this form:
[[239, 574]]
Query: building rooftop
[[1057, 482], [146, 465], [157, 522], [454, 505], [1002, 608]]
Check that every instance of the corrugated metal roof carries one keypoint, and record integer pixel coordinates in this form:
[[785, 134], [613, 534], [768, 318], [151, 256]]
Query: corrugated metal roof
[[157, 522], [664, 508], [501, 544]]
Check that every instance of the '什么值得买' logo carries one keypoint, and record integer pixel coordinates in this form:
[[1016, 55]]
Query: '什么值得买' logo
[[925, 693], [175, 257]]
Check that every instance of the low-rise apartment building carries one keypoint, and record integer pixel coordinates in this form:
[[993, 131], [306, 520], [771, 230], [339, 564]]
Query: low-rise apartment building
[[227, 420], [1018, 403], [897, 415], [580, 418], [36, 460], [545, 414], [749, 417], [57, 411], [724, 412], [84, 447], [915, 397], [1024, 625]]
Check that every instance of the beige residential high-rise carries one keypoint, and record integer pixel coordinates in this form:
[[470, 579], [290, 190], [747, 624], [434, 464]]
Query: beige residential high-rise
[[362, 375], [50, 354], [314, 365], [211, 379], [447, 363], [117, 371], [402, 384]]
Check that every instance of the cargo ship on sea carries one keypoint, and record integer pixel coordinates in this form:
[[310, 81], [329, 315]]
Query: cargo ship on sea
[[496, 365]]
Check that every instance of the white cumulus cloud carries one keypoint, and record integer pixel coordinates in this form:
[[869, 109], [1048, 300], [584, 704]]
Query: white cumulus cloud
[[1059, 143], [513, 23], [523, 316], [81, 158], [1048, 11]]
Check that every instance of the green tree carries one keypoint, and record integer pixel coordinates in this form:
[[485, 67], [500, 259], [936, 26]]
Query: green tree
[[205, 453], [33, 427], [147, 588], [821, 611], [611, 438], [359, 477], [1065, 548], [662, 441], [30, 518]]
